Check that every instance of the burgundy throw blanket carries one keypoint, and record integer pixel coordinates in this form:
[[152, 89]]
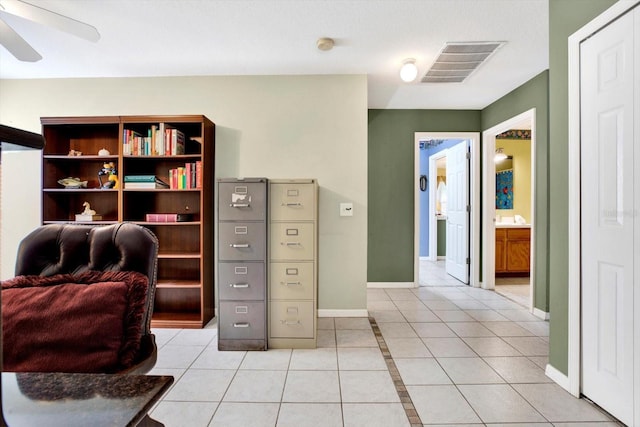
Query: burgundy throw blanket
[[89, 322]]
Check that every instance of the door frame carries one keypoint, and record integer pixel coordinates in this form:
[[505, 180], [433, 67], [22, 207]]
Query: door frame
[[474, 194], [572, 381], [489, 204]]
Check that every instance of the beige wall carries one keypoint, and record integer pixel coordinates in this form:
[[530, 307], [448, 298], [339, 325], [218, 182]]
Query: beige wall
[[272, 126], [520, 150]]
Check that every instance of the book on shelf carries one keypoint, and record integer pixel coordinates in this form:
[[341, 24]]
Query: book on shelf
[[131, 140], [169, 140], [161, 217], [177, 142], [88, 217], [198, 177], [161, 140], [168, 217], [141, 178], [143, 181], [186, 177], [144, 185]]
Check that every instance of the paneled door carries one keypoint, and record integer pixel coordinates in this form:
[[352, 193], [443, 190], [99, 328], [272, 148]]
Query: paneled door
[[609, 215], [457, 258]]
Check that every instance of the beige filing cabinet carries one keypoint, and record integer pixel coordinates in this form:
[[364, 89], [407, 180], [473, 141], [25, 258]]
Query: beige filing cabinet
[[293, 263]]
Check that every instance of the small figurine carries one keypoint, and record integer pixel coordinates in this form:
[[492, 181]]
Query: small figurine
[[88, 214], [103, 152], [87, 209], [109, 169], [71, 182]]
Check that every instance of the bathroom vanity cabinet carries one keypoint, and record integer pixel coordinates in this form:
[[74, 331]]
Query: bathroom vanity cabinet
[[513, 251]]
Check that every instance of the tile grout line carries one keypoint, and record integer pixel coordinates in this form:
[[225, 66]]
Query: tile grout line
[[401, 389]]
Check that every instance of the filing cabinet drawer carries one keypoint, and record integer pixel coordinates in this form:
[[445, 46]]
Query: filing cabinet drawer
[[293, 202], [242, 241], [241, 320], [292, 319], [241, 281], [242, 201], [291, 280], [292, 241]]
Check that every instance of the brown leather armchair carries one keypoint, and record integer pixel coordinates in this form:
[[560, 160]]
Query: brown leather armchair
[[74, 250]]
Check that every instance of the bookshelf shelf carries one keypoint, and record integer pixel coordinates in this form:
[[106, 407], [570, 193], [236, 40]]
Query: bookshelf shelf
[[79, 158], [184, 296]]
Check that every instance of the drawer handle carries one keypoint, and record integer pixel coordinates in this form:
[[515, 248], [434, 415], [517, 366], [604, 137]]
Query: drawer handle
[[292, 204], [241, 325], [239, 245], [291, 283], [290, 322], [239, 205], [238, 285], [291, 243]]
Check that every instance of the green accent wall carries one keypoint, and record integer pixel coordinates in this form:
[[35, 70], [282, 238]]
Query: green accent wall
[[391, 184], [565, 18], [532, 94]]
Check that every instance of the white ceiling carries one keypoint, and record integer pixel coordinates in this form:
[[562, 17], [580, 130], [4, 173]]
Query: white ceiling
[[274, 37]]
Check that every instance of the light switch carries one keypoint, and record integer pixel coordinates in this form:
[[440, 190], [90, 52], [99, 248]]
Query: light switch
[[346, 209]]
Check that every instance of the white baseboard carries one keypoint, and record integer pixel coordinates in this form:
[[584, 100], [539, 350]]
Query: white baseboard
[[561, 379], [540, 314], [442, 257], [342, 313], [373, 285]]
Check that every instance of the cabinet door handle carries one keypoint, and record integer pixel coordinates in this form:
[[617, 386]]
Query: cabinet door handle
[[241, 325], [238, 285], [290, 322], [291, 243], [292, 204], [291, 283], [239, 245], [239, 205]]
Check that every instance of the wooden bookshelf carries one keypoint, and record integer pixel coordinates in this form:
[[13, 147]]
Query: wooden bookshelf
[[184, 293]]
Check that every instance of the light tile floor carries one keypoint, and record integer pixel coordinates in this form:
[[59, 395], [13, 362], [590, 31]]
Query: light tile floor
[[466, 356]]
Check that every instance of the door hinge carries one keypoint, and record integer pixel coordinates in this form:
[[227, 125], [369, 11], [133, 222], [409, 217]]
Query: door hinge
[[468, 208], [468, 261]]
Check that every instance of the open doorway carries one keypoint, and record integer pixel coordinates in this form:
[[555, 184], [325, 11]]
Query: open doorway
[[509, 190], [437, 208]]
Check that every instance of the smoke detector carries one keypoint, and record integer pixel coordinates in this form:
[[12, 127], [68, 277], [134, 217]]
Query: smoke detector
[[325, 43]]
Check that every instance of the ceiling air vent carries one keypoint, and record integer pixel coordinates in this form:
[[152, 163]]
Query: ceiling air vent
[[457, 61]]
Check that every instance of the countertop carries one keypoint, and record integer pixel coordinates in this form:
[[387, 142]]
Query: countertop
[[511, 225]]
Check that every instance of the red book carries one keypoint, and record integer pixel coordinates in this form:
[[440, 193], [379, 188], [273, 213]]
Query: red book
[[198, 174], [173, 179], [162, 217]]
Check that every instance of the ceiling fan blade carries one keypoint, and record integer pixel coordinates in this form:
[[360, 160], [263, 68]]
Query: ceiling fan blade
[[52, 19], [16, 44]]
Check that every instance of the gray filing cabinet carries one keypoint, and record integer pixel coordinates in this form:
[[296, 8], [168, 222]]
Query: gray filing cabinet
[[242, 255], [293, 263]]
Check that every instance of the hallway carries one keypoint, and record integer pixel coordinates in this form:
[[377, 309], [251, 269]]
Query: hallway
[[445, 354]]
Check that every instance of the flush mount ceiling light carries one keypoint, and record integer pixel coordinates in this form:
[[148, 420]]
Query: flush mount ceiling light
[[325, 43], [409, 70], [500, 156]]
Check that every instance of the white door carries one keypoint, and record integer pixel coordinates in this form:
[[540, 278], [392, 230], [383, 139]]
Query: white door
[[607, 225], [457, 212]]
